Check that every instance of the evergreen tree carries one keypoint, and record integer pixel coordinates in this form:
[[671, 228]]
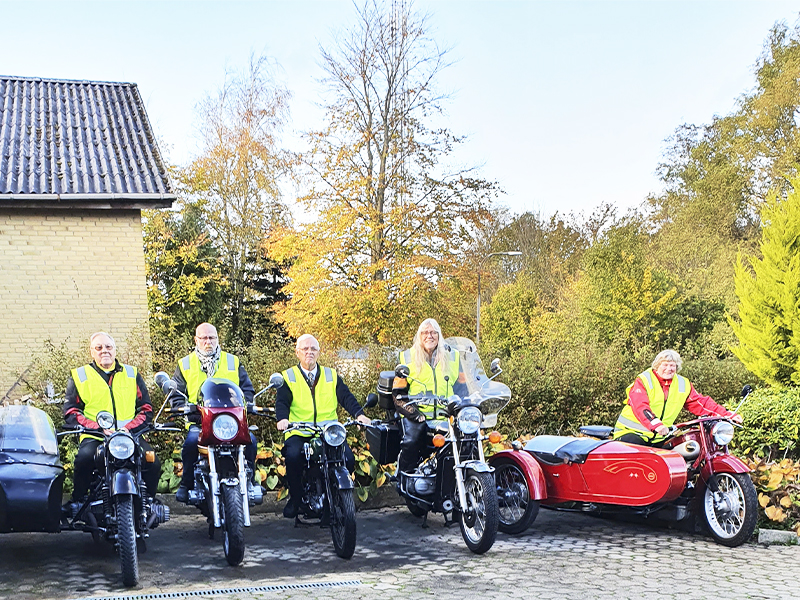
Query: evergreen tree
[[768, 288]]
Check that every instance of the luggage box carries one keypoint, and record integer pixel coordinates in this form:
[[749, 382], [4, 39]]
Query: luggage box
[[383, 442]]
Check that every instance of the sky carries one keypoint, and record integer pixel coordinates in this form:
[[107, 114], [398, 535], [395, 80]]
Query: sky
[[567, 105]]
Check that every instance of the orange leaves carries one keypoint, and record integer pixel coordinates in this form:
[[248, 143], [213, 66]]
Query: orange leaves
[[778, 485]]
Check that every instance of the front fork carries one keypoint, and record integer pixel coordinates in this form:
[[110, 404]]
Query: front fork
[[241, 483], [459, 467]]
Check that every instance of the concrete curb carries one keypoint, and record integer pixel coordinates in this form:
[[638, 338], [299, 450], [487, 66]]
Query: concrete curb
[[386, 496], [777, 536]]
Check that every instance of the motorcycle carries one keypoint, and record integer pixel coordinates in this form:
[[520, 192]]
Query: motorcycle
[[692, 474], [327, 486], [222, 490], [455, 478], [117, 507]]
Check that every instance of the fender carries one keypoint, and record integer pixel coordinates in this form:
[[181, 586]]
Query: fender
[[343, 479], [477, 466], [724, 463], [530, 469], [123, 482]]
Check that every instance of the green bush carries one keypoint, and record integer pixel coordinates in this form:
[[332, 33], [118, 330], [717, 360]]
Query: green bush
[[771, 424]]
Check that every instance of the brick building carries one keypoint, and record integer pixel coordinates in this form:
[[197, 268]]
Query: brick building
[[78, 163]]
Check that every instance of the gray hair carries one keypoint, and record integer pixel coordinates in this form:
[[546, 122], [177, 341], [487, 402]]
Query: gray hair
[[98, 333], [303, 338], [441, 354], [667, 356]]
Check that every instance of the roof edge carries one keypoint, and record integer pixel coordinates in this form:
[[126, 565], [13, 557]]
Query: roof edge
[[61, 80]]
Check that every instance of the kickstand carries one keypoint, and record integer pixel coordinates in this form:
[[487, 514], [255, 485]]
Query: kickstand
[[448, 522], [425, 520]]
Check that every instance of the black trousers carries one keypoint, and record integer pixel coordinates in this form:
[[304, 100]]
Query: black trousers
[[632, 438], [85, 462], [296, 462], [414, 441], [189, 454]]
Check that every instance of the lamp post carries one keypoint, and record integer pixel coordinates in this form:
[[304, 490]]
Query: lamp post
[[480, 268]]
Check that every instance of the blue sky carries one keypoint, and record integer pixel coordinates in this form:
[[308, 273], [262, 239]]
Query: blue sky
[[566, 104]]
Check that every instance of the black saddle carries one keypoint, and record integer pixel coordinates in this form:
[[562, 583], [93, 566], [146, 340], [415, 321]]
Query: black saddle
[[558, 449]]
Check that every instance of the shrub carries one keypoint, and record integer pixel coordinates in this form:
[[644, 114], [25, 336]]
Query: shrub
[[778, 486], [771, 424]]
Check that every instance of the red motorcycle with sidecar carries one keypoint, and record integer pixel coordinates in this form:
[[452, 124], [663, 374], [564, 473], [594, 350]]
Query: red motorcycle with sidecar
[[693, 474]]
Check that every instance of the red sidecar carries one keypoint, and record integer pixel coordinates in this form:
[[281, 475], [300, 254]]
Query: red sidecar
[[694, 474]]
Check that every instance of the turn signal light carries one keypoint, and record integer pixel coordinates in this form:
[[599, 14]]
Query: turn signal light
[[438, 440], [495, 437], [150, 456]]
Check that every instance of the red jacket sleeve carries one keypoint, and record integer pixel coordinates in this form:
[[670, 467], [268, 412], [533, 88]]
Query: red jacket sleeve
[[640, 403], [701, 406]]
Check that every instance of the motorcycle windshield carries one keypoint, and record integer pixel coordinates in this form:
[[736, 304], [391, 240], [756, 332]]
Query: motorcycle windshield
[[27, 429], [490, 396]]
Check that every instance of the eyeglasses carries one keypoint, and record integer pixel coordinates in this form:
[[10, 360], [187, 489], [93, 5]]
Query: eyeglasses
[[206, 338], [309, 349], [429, 333], [99, 348]]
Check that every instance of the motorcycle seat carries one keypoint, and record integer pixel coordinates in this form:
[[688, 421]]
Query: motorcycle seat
[[558, 449]]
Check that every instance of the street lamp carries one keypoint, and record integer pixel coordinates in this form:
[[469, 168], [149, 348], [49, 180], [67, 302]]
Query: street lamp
[[480, 268]]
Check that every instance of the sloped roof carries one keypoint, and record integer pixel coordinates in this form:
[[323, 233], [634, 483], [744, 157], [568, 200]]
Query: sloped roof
[[78, 144]]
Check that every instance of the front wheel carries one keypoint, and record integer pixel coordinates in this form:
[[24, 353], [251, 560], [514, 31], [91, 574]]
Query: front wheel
[[343, 522], [233, 524], [126, 539], [731, 512], [516, 510], [479, 518]]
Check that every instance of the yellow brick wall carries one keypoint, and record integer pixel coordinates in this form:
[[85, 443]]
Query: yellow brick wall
[[65, 275]]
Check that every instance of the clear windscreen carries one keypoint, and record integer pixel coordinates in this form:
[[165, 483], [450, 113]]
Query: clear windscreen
[[27, 429]]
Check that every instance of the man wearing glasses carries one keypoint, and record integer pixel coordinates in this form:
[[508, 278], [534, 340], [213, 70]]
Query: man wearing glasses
[[207, 360], [106, 384], [311, 394]]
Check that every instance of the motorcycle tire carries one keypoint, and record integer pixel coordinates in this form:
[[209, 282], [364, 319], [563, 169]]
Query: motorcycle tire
[[233, 524], [414, 508], [734, 524], [516, 510], [343, 522], [479, 519], [126, 539]]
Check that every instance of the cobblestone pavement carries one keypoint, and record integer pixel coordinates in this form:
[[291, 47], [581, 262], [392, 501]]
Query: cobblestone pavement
[[563, 555]]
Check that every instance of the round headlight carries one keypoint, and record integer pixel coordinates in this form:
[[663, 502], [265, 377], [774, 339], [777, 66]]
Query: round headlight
[[121, 446], [722, 433], [469, 419], [334, 434], [225, 427], [105, 419]]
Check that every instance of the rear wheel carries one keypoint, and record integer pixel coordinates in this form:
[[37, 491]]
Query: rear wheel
[[343, 521], [126, 540], [233, 524], [731, 512], [479, 519], [516, 510]]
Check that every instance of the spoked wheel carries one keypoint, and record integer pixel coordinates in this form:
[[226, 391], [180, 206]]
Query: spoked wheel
[[731, 513], [343, 522], [126, 539], [516, 510], [479, 519], [232, 524]]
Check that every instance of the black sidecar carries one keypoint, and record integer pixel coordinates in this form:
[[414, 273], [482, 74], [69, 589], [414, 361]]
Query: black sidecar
[[31, 474]]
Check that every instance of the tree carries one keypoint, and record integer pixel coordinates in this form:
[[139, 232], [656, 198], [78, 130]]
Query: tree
[[394, 221], [184, 282], [234, 183], [768, 288]]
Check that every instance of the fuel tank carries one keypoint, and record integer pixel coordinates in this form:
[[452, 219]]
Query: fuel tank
[[606, 471]]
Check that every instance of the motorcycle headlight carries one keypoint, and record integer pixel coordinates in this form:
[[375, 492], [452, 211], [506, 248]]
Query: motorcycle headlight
[[121, 446], [722, 433], [334, 434], [225, 427], [469, 419]]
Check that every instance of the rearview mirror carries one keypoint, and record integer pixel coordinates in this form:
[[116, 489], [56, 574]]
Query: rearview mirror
[[495, 366], [402, 371], [746, 390], [276, 380], [372, 400]]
